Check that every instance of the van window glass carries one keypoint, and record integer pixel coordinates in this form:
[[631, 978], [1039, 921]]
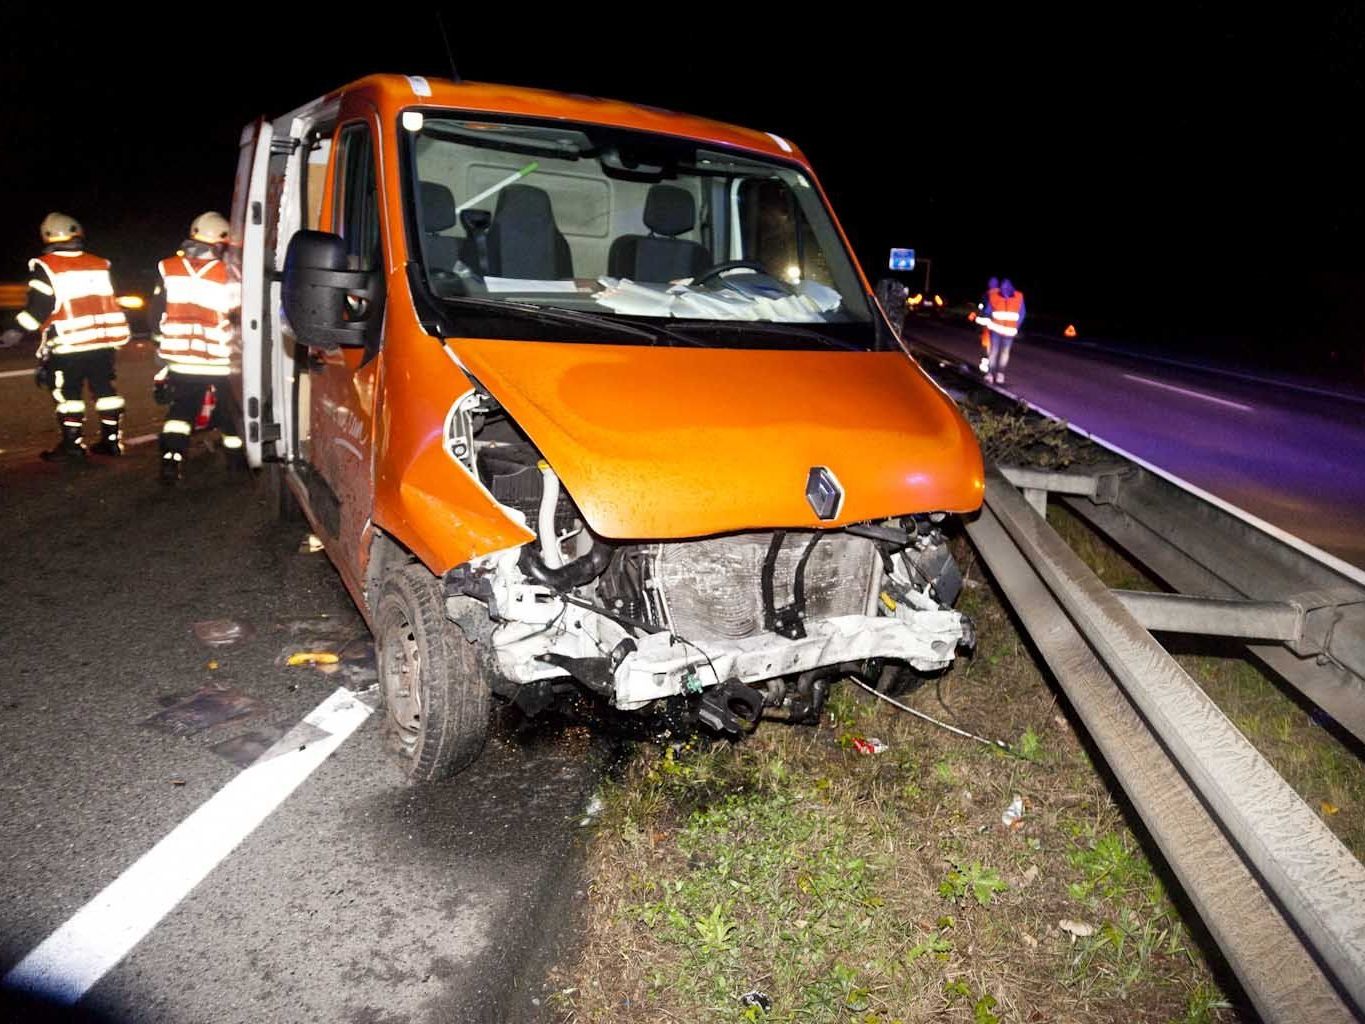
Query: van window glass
[[356, 217], [315, 174], [715, 244]]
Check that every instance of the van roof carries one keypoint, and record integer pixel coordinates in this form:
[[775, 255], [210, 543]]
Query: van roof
[[392, 93]]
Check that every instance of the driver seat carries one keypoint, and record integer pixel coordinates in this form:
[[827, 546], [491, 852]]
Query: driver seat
[[661, 256]]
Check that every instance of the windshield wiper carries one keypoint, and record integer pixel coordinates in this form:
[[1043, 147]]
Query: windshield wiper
[[557, 313], [775, 327]]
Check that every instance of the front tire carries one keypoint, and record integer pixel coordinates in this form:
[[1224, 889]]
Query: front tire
[[435, 692]]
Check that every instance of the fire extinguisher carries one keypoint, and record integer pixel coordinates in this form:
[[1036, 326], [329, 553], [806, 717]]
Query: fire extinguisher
[[201, 422]]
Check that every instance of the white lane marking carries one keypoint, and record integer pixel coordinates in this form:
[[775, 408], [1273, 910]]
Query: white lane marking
[[74, 957], [128, 442], [1187, 391], [1314, 552], [1351, 572], [18, 373]]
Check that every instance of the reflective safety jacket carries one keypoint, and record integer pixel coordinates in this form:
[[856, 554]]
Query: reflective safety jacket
[[85, 314], [195, 334], [1005, 314]]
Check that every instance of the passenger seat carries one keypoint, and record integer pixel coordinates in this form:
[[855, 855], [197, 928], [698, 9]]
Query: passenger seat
[[661, 256], [523, 239]]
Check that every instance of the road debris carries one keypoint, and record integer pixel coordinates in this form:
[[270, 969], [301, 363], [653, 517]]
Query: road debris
[[202, 710], [222, 632], [1076, 929], [1029, 877], [312, 658], [758, 999], [310, 545], [248, 747], [1330, 808], [1013, 818], [870, 745]]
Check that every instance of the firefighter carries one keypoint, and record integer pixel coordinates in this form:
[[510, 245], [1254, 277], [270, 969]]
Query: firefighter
[[72, 309], [1007, 316], [983, 315], [194, 341]]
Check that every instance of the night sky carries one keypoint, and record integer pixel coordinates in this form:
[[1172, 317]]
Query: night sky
[[1178, 174]]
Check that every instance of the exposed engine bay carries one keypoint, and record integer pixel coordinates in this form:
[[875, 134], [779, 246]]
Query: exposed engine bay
[[727, 628]]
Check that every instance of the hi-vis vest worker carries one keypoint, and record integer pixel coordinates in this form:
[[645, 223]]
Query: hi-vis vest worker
[[194, 341], [71, 306], [195, 334], [1007, 314]]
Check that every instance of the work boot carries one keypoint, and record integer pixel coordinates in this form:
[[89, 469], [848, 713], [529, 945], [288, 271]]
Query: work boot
[[171, 468], [71, 448], [985, 365], [999, 376], [111, 443], [235, 459]]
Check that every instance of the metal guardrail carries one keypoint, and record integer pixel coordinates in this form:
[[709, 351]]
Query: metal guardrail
[[1231, 579], [1283, 898]]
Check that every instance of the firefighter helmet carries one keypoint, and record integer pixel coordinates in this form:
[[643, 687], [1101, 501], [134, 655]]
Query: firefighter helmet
[[58, 227], [209, 228]]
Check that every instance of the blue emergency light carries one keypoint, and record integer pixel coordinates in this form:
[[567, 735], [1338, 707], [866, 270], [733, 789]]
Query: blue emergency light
[[902, 259]]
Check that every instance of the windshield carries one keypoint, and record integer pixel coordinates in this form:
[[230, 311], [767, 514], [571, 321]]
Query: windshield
[[705, 245]]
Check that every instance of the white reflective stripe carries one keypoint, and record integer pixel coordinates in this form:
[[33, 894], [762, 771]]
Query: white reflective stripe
[[230, 441], [108, 402], [1001, 329], [80, 284], [200, 369], [196, 291], [1004, 314], [28, 321], [176, 427], [177, 330], [65, 408], [41, 286], [73, 323]]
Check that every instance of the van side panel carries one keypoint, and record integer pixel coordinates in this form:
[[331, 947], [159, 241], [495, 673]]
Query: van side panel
[[423, 497]]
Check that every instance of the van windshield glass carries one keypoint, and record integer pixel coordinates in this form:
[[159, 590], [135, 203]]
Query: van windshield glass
[[646, 228]]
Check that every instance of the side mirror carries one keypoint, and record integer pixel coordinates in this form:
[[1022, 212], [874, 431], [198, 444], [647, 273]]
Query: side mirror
[[324, 301]]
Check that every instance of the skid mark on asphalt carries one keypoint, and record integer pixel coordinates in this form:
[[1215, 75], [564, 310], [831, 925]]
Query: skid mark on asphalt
[[65, 965]]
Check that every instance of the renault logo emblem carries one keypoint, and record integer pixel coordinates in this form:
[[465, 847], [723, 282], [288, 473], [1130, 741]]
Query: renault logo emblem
[[823, 492]]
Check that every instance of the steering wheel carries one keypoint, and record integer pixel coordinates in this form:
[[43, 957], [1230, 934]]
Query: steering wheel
[[754, 265]]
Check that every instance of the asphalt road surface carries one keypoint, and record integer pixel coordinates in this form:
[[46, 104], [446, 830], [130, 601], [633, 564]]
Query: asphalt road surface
[[358, 898], [1290, 453]]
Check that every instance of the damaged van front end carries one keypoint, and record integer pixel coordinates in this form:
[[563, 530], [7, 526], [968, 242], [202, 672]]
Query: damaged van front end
[[705, 546]]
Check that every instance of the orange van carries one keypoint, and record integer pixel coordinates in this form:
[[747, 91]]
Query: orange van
[[585, 396]]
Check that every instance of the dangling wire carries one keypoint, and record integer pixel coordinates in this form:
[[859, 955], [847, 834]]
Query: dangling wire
[[999, 744]]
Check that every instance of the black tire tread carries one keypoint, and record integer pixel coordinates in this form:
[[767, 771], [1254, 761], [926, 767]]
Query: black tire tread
[[457, 700]]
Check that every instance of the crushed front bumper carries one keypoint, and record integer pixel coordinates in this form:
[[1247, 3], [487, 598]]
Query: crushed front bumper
[[664, 665]]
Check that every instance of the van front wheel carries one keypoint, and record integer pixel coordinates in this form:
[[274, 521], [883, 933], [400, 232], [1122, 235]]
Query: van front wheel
[[436, 698]]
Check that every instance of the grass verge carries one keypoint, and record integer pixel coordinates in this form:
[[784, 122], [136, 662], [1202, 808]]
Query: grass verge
[[792, 878]]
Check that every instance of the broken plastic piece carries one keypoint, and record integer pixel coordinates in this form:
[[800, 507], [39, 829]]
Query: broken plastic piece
[[870, 745], [756, 998], [1014, 814], [310, 545], [313, 658], [221, 632]]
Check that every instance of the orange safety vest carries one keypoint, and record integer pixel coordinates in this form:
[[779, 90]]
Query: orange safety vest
[[1004, 319], [85, 314], [195, 334]]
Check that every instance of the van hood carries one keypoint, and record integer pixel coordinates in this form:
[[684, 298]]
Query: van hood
[[666, 442]]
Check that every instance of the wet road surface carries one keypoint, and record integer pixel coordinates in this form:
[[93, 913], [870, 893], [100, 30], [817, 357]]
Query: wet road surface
[[359, 898], [1290, 455]]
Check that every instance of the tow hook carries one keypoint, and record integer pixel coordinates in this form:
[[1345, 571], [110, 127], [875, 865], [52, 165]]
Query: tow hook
[[731, 707]]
